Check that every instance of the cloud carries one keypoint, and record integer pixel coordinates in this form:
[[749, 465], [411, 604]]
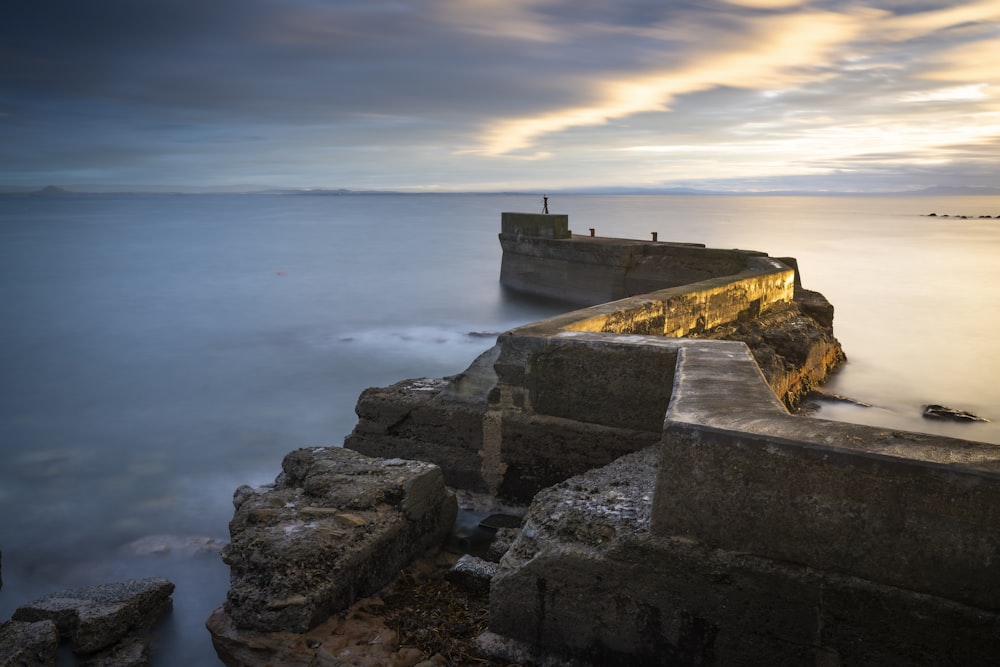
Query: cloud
[[399, 93], [762, 54], [975, 61], [915, 24], [519, 20], [766, 4]]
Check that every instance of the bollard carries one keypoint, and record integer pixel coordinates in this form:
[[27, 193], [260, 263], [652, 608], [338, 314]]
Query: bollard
[[654, 236], [591, 231]]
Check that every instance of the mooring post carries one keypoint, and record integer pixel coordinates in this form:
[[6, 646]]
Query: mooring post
[[591, 231], [654, 236]]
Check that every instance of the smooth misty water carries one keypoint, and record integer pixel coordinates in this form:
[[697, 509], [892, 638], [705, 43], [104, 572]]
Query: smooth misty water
[[158, 351]]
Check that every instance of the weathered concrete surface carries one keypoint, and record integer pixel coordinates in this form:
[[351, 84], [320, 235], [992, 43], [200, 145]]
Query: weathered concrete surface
[[743, 534], [543, 405], [97, 617], [29, 644], [589, 582], [335, 526], [690, 309], [904, 509], [546, 403], [536, 225], [589, 270], [554, 407]]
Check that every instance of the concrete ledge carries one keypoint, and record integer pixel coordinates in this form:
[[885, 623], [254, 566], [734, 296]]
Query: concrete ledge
[[906, 509], [682, 311]]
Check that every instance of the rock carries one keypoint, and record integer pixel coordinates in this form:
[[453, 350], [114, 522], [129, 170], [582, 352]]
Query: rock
[[358, 637], [97, 617], [943, 412], [335, 526], [131, 652], [174, 545], [501, 543], [28, 644], [472, 573], [501, 520], [794, 346], [829, 396]]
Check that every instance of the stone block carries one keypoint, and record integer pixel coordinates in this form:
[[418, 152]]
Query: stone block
[[472, 573], [335, 526], [97, 617]]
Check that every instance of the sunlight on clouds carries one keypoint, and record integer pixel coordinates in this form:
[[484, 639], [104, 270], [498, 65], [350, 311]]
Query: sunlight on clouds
[[974, 61], [836, 146], [908, 26], [773, 52], [975, 91]]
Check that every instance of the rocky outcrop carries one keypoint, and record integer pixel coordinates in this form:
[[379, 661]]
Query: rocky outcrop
[[935, 411], [104, 624], [335, 526], [793, 345], [28, 644]]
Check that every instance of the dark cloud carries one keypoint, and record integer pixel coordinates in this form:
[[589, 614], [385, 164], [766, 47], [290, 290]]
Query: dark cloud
[[398, 93]]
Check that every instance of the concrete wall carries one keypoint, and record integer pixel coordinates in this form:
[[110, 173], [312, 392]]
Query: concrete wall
[[752, 536], [746, 534], [695, 308], [538, 225], [905, 509], [557, 402], [542, 257]]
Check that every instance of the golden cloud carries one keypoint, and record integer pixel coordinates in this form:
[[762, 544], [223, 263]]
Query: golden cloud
[[972, 62], [909, 26], [771, 52]]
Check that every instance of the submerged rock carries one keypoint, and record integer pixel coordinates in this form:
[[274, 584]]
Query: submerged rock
[[174, 545], [99, 617], [934, 411]]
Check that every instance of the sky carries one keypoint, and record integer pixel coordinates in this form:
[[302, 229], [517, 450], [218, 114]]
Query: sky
[[497, 95]]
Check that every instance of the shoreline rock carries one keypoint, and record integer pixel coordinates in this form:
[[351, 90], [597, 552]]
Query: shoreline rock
[[104, 624], [334, 527], [934, 411]]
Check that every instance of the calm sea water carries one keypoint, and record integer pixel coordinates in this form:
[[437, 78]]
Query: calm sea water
[[159, 351]]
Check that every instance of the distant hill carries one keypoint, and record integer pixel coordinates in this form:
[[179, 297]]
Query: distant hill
[[83, 190], [51, 191], [939, 190]]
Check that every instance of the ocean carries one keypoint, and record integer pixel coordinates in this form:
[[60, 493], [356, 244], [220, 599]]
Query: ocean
[[158, 351]]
